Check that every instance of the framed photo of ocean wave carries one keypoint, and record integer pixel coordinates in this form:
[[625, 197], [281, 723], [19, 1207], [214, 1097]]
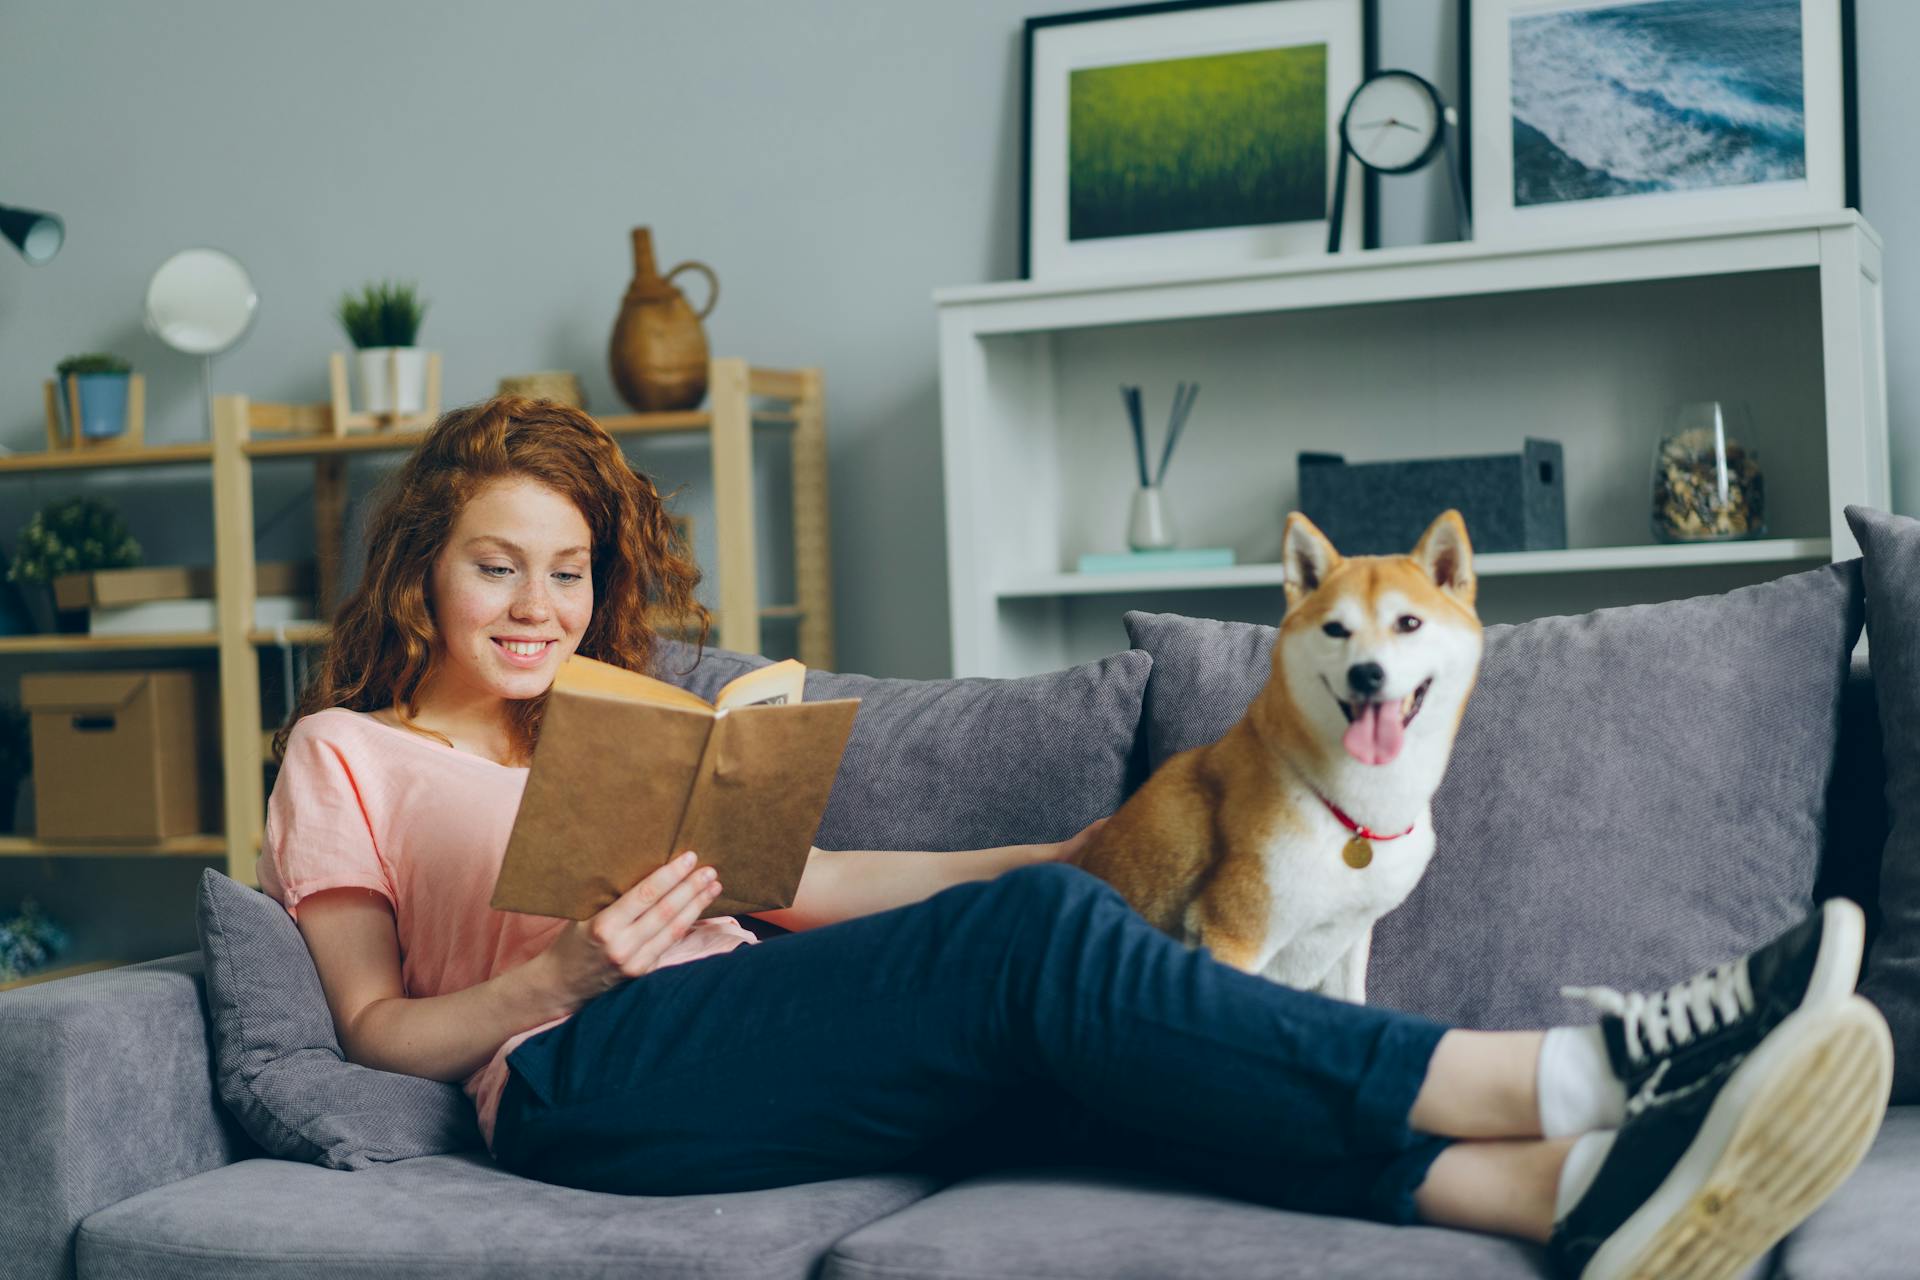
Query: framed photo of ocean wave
[[1604, 115], [1184, 134]]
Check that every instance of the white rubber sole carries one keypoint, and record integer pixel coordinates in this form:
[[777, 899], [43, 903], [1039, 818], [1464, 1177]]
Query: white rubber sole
[[1790, 1124], [1843, 937]]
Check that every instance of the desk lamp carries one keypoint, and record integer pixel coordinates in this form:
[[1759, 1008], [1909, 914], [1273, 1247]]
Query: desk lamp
[[36, 235]]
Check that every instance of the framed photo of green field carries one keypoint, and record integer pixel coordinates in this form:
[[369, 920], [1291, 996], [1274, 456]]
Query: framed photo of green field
[[1185, 134]]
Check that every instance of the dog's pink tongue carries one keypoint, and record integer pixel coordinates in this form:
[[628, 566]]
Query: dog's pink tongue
[[1375, 735]]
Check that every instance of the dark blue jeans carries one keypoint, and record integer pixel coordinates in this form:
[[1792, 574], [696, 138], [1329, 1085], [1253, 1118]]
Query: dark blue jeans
[[1034, 1018]]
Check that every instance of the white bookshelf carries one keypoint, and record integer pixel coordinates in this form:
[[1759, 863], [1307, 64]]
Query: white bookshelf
[[1405, 353]]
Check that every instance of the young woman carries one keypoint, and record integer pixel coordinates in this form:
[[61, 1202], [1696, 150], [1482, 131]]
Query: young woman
[[950, 1011]]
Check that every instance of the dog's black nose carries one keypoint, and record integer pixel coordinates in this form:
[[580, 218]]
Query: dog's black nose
[[1366, 678]]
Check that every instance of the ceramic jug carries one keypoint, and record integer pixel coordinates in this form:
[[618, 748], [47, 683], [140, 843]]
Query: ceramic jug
[[658, 356]]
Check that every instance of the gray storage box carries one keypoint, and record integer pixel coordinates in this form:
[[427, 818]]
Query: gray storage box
[[1510, 501]]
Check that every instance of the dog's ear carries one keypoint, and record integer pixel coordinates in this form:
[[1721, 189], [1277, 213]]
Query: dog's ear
[[1446, 556], [1308, 556]]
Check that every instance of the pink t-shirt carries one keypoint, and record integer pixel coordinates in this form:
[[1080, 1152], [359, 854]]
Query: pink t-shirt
[[362, 803]]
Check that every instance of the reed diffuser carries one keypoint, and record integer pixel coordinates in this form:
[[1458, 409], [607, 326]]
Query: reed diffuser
[[1148, 526]]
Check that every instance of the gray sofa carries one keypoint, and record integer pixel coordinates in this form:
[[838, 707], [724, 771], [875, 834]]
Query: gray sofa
[[121, 1160]]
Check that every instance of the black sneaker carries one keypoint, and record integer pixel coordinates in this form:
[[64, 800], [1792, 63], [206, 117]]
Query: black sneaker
[[1667, 1040], [1705, 1177]]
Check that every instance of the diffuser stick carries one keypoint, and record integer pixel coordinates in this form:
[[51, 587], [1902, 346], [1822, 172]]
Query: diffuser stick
[[1130, 396], [1183, 398]]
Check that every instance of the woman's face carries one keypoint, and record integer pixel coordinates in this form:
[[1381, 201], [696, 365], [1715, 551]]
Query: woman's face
[[512, 591]]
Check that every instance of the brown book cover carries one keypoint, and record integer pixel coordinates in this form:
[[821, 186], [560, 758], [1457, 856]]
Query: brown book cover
[[630, 771]]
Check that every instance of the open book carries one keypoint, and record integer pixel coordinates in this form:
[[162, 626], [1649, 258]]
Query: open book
[[630, 771]]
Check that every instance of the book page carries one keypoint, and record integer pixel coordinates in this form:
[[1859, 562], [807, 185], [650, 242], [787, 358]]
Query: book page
[[762, 788], [775, 685], [586, 675], [610, 780]]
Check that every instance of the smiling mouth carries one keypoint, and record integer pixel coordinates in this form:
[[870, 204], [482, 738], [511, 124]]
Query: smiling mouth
[[1409, 705], [520, 650]]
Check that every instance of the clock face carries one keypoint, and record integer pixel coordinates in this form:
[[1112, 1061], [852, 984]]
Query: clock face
[[1392, 122]]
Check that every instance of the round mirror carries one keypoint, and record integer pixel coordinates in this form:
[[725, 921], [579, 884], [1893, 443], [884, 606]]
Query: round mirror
[[200, 301]]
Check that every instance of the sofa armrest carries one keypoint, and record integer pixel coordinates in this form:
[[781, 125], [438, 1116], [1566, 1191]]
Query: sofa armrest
[[108, 1086]]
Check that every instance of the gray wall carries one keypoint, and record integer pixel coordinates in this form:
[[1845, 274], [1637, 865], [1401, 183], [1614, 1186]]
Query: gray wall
[[833, 160], [1889, 96]]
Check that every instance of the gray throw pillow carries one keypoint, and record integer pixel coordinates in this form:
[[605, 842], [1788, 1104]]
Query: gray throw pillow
[[278, 1065], [967, 763], [1892, 979], [1634, 793]]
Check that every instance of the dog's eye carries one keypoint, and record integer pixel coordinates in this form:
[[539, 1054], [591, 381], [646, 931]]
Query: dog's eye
[[1407, 623], [1337, 631]]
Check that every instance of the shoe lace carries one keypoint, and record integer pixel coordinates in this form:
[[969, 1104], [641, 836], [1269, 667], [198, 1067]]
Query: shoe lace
[[1668, 1019]]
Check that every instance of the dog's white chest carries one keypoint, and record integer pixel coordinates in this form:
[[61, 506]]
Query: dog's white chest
[[1322, 905]]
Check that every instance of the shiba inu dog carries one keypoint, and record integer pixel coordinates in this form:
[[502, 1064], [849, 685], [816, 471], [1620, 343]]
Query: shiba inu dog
[[1278, 846]]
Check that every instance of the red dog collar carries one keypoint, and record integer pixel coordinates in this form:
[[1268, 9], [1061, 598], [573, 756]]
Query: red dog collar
[[1356, 828]]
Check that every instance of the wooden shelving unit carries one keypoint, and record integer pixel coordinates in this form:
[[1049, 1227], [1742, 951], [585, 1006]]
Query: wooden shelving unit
[[157, 455], [729, 422], [742, 399], [177, 847], [61, 971], [157, 640]]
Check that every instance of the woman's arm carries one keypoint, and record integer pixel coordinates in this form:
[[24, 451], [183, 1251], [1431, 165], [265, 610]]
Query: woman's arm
[[357, 953], [842, 884]]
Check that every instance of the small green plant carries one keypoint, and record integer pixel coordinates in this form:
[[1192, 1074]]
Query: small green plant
[[92, 362], [384, 314], [28, 941], [73, 536]]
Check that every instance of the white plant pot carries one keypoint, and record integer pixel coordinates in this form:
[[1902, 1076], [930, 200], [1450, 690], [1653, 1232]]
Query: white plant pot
[[392, 379], [1148, 526]]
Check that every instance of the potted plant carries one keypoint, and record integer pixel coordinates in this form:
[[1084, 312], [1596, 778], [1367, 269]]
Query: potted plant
[[103, 380], [28, 942], [382, 321], [16, 757], [75, 535]]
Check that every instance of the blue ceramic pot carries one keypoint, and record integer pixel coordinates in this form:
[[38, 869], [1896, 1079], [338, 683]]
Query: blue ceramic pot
[[103, 404]]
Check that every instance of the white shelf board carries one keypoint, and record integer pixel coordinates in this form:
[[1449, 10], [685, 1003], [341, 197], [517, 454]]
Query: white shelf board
[[1505, 563], [1462, 269]]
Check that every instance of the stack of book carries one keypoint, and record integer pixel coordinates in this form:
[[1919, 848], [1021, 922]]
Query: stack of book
[[121, 602]]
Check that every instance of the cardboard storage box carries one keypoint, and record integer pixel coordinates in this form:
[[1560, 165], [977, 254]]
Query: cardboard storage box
[[117, 755]]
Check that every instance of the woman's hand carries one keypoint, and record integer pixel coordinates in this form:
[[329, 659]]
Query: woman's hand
[[1070, 849], [628, 936]]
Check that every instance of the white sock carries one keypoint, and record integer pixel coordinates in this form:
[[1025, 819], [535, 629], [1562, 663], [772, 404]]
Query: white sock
[[1578, 1090], [1576, 1175]]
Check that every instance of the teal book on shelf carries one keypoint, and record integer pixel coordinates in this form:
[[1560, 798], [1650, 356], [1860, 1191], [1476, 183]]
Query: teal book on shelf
[[1175, 558]]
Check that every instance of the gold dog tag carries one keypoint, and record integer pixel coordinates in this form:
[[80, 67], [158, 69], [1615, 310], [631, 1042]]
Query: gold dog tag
[[1358, 853]]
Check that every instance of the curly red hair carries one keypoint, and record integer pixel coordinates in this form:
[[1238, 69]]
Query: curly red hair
[[383, 648]]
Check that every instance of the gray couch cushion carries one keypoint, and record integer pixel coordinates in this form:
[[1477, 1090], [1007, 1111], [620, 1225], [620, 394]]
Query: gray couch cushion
[[1088, 1223], [1868, 1230], [969, 763], [277, 1063], [1634, 793], [1892, 979], [1856, 802], [460, 1217]]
